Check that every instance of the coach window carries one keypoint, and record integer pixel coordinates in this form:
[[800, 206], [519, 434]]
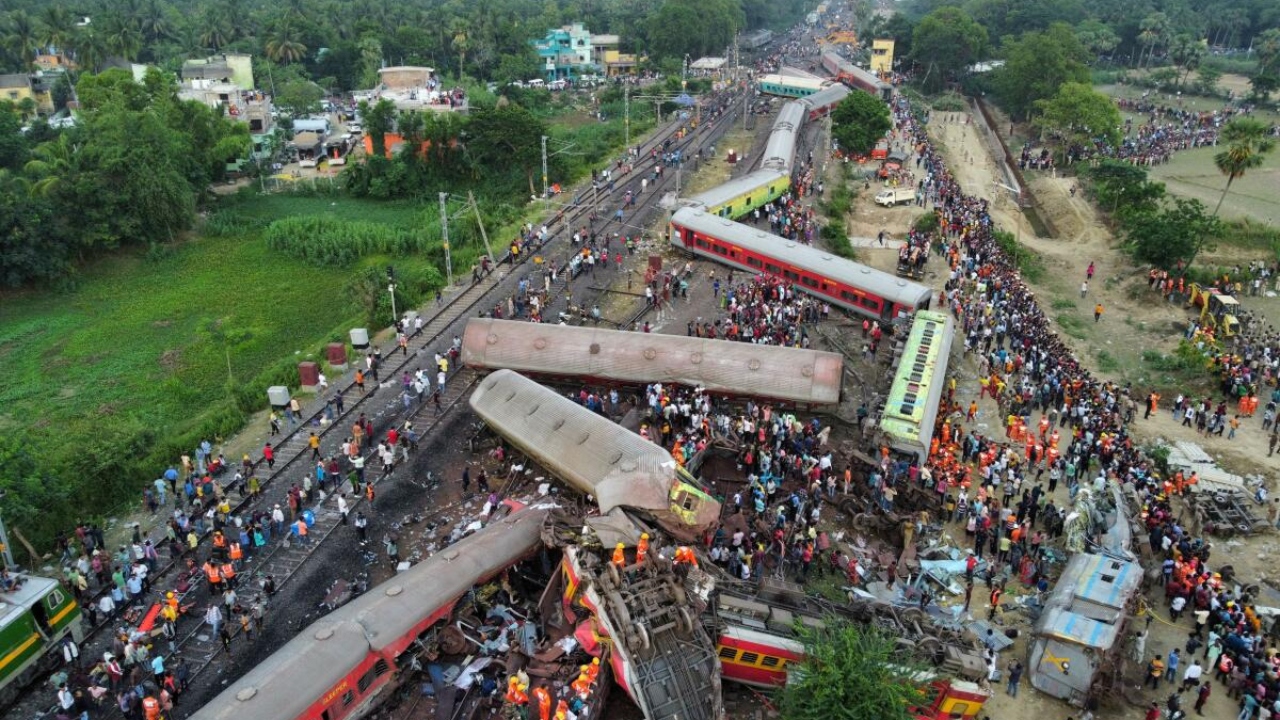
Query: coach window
[[749, 658], [869, 302], [721, 249], [773, 268], [753, 262], [809, 281], [791, 274], [728, 653], [348, 697]]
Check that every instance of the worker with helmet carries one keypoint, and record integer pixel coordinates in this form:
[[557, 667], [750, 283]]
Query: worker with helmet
[[582, 685], [562, 710], [642, 550], [620, 555], [150, 708], [516, 696]]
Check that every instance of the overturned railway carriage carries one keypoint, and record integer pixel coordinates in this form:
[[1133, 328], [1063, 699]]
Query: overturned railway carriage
[[853, 286], [912, 405], [790, 85], [855, 77], [808, 379], [758, 188], [821, 103], [595, 456], [338, 666]]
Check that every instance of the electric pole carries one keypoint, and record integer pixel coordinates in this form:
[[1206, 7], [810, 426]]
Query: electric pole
[[444, 236], [626, 111], [480, 221], [545, 195]]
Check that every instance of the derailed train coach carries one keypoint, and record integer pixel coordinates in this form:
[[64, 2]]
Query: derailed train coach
[[595, 456], [797, 377]]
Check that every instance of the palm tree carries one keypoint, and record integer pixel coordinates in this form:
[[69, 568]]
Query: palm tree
[[57, 27], [56, 162], [1154, 29], [461, 44], [214, 30], [154, 22], [91, 50], [22, 37], [122, 36], [1248, 143], [283, 46]]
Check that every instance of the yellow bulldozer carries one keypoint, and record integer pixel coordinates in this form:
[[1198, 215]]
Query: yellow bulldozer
[[840, 37], [1217, 310]]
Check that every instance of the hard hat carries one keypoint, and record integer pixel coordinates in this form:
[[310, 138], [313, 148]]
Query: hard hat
[[645, 536], [622, 545]]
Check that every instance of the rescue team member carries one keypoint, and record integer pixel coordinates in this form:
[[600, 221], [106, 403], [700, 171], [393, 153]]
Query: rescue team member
[[620, 556], [642, 550]]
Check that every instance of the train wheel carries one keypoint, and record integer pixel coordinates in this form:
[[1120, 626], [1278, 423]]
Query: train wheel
[[621, 616], [932, 647], [641, 636], [913, 615], [684, 620]]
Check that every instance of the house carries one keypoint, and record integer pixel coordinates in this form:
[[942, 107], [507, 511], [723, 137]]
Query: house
[[228, 68], [55, 62], [21, 86], [882, 57], [406, 77], [567, 51]]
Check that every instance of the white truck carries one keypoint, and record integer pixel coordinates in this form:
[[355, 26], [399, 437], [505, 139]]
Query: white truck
[[895, 196]]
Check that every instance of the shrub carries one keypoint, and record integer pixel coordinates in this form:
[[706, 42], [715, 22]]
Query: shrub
[[329, 241]]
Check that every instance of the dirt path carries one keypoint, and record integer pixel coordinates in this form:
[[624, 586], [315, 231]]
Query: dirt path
[[1133, 321]]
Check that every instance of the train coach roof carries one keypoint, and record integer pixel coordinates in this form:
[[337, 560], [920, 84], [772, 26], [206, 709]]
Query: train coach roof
[[587, 451], [833, 94], [722, 194], [780, 149], [720, 366], [843, 271], [315, 661]]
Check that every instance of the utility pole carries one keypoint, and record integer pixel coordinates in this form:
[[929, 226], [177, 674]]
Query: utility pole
[[626, 112], [444, 235], [545, 195], [480, 221]]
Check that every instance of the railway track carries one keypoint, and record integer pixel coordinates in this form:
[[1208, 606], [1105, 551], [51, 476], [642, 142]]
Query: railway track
[[382, 405]]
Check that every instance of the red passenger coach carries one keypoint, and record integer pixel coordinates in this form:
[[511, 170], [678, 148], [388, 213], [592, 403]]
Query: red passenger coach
[[853, 286]]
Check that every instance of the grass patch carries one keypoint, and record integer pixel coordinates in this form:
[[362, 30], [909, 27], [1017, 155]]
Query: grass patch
[[836, 208], [1064, 304], [1250, 234], [1029, 263], [1107, 363], [1072, 325]]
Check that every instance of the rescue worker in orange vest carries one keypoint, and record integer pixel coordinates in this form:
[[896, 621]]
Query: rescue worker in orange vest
[[562, 710], [219, 544], [620, 556], [228, 572], [594, 669], [544, 702], [211, 574], [642, 552], [516, 694], [236, 553], [150, 708], [582, 686]]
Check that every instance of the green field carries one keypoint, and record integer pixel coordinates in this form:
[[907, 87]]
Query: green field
[[135, 358], [1191, 173]]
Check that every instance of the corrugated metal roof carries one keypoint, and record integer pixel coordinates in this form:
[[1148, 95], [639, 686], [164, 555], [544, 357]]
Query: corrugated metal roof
[[1106, 581]]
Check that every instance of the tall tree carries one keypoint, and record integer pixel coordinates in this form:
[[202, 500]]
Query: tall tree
[[851, 671], [1097, 37], [1248, 142], [1036, 65], [859, 122], [1174, 234], [1186, 52], [944, 43], [57, 27], [1078, 114], [1154, 33], [283, 46], [22, 37]]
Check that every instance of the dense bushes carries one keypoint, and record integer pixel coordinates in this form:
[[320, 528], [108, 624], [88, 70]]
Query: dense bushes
[[330, 241]]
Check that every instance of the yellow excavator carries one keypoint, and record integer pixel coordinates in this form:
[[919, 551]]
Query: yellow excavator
[[1217, 310], [840, 37]]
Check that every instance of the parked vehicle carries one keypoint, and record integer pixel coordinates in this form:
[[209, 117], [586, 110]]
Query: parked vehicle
[[895, 196]]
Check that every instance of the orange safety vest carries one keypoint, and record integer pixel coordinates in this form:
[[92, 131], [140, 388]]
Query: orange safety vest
[[219, 540], [211, 572], [642, 550], [229, 571], [236, 551], [619, 556], [150, 708], [544, 702]]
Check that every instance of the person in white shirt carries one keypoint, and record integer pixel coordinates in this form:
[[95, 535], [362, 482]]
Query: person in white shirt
[[1191, 676]]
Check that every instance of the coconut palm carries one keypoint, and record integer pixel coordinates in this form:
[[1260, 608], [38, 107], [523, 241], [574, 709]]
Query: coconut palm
[[122, 36], [283, 45], [91, 50], [1248, 143], [22, 37], [154, 22], [57, 27], [215, 31], [56, 163]]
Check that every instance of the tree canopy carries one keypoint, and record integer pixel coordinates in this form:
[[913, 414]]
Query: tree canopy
[[944, 43], [850, 672], [859, 122], [1077, 113], [1173, 234], [1036, 65]]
